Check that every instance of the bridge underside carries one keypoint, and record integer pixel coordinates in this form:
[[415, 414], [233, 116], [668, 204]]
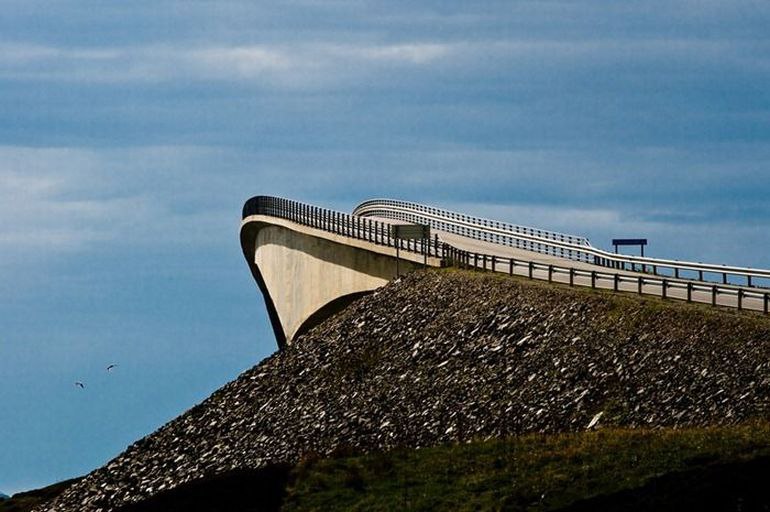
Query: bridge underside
[[307, 275]]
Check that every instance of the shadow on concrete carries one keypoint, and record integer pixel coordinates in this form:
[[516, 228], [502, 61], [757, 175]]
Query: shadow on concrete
[[329, 310]]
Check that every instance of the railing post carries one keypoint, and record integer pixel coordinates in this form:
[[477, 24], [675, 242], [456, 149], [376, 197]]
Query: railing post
[[510, 266], [664, 289], [484, 261], [700, 275], [531, 269], [475, 261], [689, 292], [641, 285], [493, 262], [550, 273], [676, 273], [767, 303], [740, 298], [724, 277], [572, 277], [714, 293], [616, 282], [748, 280]]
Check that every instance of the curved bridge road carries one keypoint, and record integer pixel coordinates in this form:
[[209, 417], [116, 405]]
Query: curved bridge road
[[309, 261], [558, 257]]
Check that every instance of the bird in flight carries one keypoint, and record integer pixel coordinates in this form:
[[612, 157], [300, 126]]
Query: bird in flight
[[110, 367], [80, 385]]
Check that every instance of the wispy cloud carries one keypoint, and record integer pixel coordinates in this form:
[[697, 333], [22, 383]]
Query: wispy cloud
[[296, 64], [68, 199]]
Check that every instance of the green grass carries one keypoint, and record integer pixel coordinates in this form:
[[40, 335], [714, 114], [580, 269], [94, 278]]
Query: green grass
[[533, 472]]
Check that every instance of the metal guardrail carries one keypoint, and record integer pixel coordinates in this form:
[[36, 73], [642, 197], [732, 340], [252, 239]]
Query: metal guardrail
[[351, 226], [642, 284], [371, 230], [501, 233], [556, 244]]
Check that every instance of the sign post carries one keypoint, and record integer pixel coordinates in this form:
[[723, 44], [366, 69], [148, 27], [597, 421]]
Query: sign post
[[410, 232]]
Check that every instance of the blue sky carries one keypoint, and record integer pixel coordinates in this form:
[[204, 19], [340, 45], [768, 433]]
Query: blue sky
[[131, 133]]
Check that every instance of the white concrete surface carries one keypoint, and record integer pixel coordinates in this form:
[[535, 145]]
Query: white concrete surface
[[304, 270]]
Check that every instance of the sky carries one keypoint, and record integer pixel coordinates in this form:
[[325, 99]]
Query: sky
[[131, 133]]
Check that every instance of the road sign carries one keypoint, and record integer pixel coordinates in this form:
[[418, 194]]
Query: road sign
[[410, 231], [641, 242]]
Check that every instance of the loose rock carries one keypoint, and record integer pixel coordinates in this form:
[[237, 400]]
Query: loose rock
[[439, 357]]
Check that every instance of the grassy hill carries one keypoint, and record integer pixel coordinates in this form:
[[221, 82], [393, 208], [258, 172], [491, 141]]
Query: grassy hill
[[707, 469]]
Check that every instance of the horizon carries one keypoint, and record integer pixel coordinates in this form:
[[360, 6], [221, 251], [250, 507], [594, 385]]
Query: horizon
[[133, 134]]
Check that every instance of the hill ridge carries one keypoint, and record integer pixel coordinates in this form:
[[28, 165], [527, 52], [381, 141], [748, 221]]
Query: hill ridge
[[444, 356]]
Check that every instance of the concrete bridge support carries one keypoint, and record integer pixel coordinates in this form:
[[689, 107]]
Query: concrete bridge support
[[306, 274]]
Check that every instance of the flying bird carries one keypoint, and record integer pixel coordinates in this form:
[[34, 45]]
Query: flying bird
[[80, 385], [110, 367]]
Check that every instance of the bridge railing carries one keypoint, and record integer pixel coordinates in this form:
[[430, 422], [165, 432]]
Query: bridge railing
[[340, 223], [557, 244], [377, 232], [659, 286], [478, 228]]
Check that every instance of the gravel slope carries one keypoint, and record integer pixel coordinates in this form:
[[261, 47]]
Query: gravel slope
[[441, 356]]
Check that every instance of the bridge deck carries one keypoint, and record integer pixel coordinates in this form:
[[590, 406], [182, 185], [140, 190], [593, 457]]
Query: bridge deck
[[489, 248], [630, 285]]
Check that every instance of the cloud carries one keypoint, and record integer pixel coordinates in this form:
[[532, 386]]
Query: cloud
[[295, 64], [400, 53], [65, 200]]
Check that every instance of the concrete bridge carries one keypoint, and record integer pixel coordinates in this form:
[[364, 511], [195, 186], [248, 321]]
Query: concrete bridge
[[310, 262]]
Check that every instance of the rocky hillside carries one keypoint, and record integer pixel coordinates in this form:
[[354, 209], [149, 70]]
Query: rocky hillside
[[441, 356]]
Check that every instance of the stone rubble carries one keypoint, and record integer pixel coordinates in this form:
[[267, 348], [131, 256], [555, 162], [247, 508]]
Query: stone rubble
[[447, 356]]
